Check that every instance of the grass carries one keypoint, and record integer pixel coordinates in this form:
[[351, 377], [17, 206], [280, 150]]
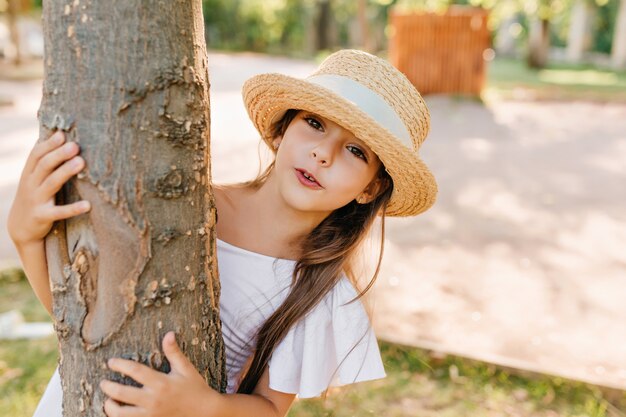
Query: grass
[[510, 78], [419, 382], [25, 368], [25, 365]]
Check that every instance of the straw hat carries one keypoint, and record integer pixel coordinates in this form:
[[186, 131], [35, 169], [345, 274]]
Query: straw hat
[[367, 96]]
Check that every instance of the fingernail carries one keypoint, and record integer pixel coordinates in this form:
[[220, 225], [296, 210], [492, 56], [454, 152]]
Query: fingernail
[[58, 136], [85, 205]]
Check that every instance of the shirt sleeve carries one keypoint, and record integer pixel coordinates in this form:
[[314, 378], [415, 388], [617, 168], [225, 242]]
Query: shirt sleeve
[[333, 345]]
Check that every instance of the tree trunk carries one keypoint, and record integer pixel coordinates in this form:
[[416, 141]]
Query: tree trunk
[[365, 41], [618, 52], [13, 11], [310, 32], [579, 37], [538, 42], [323, 25], [128, 82]]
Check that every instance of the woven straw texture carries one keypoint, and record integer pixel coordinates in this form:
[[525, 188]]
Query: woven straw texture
[[268, 96]]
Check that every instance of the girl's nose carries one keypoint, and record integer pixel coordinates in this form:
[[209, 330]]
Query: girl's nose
[[323, 158], [323, 153], [320, 159]]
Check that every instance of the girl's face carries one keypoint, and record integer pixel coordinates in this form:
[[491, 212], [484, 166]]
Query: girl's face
[[320, 166]]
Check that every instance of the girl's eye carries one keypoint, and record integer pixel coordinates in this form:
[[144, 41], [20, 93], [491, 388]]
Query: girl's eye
[[314, 123], [357, 152]]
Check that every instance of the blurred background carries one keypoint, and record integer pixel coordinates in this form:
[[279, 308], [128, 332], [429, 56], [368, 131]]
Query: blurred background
[[507, 297]]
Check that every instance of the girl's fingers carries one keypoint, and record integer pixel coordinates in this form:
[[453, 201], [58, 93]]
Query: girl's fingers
[[53, 182], [122, 393], [41, 148], [113, 409], [176, 357], [51, 160], [69, 210], [137, 371]]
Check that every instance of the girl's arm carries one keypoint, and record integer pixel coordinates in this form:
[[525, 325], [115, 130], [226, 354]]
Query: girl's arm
[[263, 402], [50, 164], [33, 257]]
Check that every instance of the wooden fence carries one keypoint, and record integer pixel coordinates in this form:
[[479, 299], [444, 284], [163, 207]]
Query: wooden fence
[[441, 53]]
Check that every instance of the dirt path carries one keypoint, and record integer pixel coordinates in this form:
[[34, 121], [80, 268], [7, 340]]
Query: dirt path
[[522, 261]]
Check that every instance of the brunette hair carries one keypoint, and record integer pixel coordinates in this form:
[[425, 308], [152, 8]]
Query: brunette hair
[[327, 252]]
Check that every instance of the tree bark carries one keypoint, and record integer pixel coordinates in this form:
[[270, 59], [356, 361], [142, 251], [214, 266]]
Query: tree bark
[[127, 80]]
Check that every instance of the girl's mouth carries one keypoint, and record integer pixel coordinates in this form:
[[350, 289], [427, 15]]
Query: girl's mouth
[[307, 179]]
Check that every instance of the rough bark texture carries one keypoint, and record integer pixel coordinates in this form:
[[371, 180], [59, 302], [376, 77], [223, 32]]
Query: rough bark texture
[[127, 80]]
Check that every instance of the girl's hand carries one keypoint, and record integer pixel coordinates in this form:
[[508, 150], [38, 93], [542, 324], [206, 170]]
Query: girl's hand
[[182, 392], [49, 165]]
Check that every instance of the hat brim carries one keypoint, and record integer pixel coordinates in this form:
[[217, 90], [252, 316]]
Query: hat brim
[[268, 96]]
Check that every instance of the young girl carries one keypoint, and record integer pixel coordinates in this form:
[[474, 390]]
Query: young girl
[[346, 143]]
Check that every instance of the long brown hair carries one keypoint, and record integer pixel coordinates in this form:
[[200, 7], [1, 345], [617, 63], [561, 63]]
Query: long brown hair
[[327, 252]]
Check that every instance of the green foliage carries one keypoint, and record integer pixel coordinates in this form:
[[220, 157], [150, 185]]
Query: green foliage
[[282, 26], [603, 12], [253, 25], [559, 14], [604, 25]]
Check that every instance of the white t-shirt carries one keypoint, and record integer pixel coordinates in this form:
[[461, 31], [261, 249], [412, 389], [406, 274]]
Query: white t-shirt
[[332, 345]]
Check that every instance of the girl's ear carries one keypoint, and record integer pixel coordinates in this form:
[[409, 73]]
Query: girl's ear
[[276, 142], [373, 190]]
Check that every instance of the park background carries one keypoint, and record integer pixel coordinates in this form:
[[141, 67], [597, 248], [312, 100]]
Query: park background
[[506, 297]]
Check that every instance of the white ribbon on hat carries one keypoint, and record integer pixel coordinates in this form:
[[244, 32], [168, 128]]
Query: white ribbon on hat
[[367, 100]]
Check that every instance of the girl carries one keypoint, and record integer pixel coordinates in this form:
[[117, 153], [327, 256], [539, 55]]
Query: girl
[[346, 143]]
